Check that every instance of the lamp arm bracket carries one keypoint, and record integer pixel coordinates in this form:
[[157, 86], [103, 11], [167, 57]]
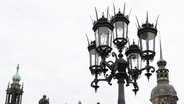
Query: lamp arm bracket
[[114, 55], [94, 84], [148, 68], [95, 81], [136, 87], [109, 64]]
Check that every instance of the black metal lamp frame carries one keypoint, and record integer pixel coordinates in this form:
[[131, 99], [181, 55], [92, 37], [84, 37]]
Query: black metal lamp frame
[[119, 69]]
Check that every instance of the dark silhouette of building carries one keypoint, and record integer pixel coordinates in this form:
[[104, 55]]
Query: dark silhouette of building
[[15, 90], [163, 92]]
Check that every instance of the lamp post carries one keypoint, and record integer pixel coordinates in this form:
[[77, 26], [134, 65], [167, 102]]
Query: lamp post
[[125, 70]]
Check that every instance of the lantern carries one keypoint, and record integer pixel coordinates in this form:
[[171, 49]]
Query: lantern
[[120, 23], [93, 58], [133, 56], [147, 34], [103, 36]]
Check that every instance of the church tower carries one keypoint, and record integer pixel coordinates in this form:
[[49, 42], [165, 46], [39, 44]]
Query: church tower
[[163, 93], [15, 90]]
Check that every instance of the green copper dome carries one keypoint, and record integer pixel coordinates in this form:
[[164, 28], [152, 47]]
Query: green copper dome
[[16, 78]]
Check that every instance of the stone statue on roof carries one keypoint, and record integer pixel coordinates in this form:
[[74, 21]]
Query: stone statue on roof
[[44, 100]]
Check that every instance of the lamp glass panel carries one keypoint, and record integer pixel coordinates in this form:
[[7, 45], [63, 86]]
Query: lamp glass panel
[[147, 35], [121, 29], [125, 30], [147, 41], [134, 60], [150, 35], [94, 59], [103, 36]]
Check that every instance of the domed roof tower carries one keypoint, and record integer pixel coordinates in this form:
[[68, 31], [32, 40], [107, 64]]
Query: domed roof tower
[[15, 90], [163, 92]]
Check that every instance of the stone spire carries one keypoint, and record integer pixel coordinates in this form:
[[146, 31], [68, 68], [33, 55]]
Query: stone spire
[[162, 72], [163, 93]]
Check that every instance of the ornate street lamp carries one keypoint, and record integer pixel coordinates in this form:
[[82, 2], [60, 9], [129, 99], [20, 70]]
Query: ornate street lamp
[[147, 34], [103, 36], [120, 22], [126, 69]]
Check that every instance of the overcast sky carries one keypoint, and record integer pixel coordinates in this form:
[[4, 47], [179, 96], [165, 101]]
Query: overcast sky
[[47, 38]]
